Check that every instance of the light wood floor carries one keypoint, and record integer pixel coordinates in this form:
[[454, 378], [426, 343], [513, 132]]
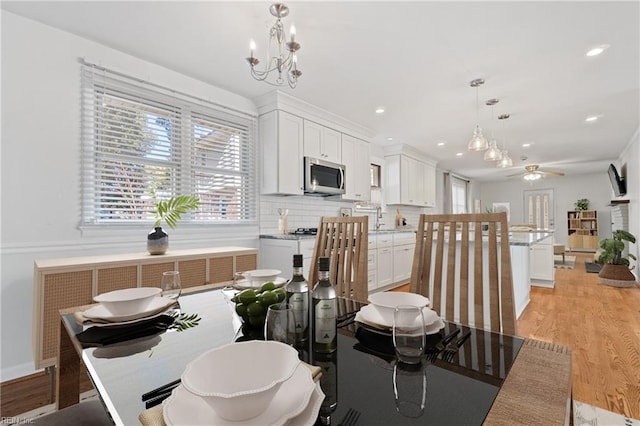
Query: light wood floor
[[601, 324]]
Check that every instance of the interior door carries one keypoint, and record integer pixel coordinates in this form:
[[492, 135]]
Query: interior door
[[539, 208]]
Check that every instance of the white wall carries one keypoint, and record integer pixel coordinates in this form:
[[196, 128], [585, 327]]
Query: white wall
[[629, 166], [40, 173], [567, 190]]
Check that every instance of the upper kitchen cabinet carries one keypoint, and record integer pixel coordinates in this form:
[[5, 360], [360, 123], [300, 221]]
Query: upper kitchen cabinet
[[321, 142], [356, 159], [281, 144], [410, 180]]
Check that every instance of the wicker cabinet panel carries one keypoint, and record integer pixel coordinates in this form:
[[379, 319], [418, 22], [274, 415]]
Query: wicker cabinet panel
[[246, 262], [110, 279], [193, 272], [152, 273], [220, 269], [62, 290]]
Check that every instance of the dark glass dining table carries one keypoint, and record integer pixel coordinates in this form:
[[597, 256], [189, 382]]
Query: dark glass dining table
[[362, 379]]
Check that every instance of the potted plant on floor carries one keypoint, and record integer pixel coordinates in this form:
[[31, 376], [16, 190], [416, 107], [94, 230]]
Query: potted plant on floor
[[615, 265], [169, 211]]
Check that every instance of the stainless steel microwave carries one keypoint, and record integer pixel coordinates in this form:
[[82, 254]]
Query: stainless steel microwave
[[323, 177]]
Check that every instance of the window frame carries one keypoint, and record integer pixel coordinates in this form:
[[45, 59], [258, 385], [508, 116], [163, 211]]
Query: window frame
[[189, 112]]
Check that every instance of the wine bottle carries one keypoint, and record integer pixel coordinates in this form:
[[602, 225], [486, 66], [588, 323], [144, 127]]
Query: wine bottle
[[325, 335], [298, 297]]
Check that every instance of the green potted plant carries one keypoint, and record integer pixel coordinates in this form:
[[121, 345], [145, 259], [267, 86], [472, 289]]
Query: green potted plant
[[582, 204], [169, 211], [615, 264]]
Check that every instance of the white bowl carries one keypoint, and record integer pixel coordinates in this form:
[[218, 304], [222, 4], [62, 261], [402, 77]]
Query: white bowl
[[387, 301], [128, 301], [259, 276], [239, 380]]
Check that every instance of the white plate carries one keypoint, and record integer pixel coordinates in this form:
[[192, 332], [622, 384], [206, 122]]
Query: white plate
[[310, 413], [117, 323], [185, 408], [370, 315], [392, 299], [375, 328], [244, 284], [158, 304]]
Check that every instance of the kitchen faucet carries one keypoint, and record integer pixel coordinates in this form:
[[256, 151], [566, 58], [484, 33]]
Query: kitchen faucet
[[378, 217]]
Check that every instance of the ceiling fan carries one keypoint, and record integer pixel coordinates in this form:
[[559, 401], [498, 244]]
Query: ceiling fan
[[533, 173]]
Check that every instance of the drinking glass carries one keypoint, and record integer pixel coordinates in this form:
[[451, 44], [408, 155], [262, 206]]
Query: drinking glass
[[280, 324], [408, 333], [410, 388], [171, 287]]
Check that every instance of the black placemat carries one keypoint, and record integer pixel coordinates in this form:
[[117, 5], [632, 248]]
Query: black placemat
[[101, 336]]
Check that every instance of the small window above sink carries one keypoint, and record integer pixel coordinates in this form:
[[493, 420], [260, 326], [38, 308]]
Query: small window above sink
[[375, 176]]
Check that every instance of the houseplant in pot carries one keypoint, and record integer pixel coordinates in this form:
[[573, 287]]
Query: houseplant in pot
[[615, 265], [169, 211], [582, 204]]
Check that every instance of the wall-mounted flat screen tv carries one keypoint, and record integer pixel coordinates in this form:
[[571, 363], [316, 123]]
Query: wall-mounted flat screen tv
[[618, 183]]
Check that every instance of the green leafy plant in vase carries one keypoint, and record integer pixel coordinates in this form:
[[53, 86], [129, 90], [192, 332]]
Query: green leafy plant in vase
[[169, 211], [582, 204], [615, 264]]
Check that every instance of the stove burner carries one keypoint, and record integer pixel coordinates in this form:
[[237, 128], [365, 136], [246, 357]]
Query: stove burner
[[305, 231]]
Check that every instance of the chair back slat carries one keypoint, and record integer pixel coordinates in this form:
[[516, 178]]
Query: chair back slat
[[462, 263], [345, 241]]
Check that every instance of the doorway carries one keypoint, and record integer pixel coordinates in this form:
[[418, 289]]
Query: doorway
[[539, 208]]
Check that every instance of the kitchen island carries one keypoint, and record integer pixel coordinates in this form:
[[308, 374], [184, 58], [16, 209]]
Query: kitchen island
[[531, 264]]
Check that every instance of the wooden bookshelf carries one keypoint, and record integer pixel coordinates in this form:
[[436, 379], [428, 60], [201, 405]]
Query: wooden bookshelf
[[582, 229]]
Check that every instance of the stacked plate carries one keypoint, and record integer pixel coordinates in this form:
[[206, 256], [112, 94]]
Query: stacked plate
[[257, 277], [378, 315], [248, 383], [127, 306]]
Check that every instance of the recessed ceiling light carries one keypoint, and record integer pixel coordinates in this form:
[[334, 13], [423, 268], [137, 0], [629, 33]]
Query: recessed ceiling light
[[526, 145], [596, 50], [592, 118], [379, 110], [459, 154], [442, 143], [389, 138]]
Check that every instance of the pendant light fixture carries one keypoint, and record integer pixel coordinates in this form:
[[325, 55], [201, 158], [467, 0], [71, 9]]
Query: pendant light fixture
[[493, 153], [505, 161], [477, 142]]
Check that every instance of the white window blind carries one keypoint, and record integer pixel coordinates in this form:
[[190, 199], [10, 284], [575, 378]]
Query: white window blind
[[140, 139]]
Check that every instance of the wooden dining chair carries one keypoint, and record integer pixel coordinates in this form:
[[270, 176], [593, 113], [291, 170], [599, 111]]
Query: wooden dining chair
[[345, 241], [467, 282]]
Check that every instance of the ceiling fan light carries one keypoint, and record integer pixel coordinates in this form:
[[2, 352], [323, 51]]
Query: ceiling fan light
[[493, 153], [477, 142], [532, 176]]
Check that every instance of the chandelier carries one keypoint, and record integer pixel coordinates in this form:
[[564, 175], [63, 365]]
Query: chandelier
[[477, 142], [281, 54]]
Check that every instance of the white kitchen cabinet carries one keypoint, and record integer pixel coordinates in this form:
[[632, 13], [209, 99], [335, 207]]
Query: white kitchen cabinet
[[429, 185], [322, 142], [281, 144], [278, 254], [356, 159], [404, 245], [372, 278], [410, 181], [384, 267], [541, 268]]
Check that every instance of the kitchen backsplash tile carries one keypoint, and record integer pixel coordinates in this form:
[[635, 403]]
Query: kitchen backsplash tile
[[306, 211]]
